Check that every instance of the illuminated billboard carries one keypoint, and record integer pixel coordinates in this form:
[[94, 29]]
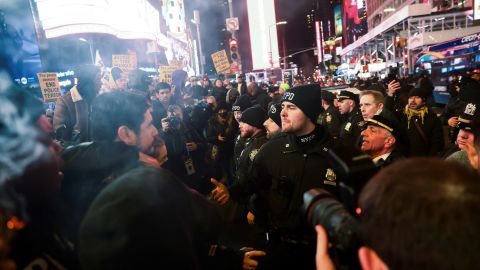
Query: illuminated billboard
[[19, 50], [133, 19], [337, 17], [263, 34], [354, 20]]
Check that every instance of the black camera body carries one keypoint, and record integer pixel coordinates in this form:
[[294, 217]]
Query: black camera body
[[340, 217]]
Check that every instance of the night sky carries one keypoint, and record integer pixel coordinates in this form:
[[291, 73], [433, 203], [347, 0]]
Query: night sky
[[298, 37]]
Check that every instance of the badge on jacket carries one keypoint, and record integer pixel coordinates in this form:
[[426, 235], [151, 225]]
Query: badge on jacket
[[348, 126], [253, 154], [328, 119], [331, 178]]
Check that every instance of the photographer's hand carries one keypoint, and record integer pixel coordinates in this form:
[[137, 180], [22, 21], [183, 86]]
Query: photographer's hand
[[191, 146], [322, 259], [250, 263], [220, 193]]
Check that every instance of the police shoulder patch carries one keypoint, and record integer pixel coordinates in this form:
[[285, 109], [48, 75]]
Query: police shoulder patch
[[328, 119]]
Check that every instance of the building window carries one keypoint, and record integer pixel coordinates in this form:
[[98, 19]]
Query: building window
[[172, 3]]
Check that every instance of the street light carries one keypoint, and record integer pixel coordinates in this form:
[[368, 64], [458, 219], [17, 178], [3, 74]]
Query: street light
[[270, 56]]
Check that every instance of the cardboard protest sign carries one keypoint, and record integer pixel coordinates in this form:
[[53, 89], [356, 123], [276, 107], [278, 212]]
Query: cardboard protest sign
[[50, 86], [220, 60], [126, 62], [165, 73]]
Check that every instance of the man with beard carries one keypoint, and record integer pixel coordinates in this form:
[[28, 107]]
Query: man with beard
[[282, 170], [122, 133], [71, 117], [424, 128], [238, 107]]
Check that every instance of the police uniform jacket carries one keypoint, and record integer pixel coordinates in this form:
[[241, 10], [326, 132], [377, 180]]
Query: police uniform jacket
[[245, 160], [282, 170], [331, 120], [352, 127]]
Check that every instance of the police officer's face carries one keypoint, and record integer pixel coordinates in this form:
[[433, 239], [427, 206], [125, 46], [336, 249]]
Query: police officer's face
[[463, 138], [345, 106], [368, 107], [246, 130], [374, 140], [147, 133], [293, 119], [415, 102], [271, 127]]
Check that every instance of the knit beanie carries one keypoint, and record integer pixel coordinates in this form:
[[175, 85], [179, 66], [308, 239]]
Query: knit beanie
[[418, 92], [254, 116], [242, 103], [274, 113], [307, 97]]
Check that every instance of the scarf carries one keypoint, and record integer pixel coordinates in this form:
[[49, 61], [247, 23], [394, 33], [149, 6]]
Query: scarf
[[412, 112]]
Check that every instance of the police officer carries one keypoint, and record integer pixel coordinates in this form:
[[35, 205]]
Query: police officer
[[283, 169], [330, 117], [353, 125], [238, 107]]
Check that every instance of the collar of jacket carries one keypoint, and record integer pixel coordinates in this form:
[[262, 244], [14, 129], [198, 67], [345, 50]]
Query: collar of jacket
[[292, 145], [75, 94]]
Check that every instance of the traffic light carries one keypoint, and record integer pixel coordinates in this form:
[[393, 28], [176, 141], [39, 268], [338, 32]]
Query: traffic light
[[330, 47], [233, 48]]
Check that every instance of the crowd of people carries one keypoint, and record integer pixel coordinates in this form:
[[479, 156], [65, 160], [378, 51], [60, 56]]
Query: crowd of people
[[210, 174]]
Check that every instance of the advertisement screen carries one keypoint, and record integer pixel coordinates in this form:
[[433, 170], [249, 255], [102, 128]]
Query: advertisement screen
[[355, 20], [19, 53], [60, 17], [263, 33], [337, 14]]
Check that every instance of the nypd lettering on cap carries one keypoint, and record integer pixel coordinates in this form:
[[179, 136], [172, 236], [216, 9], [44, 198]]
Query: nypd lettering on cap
[[236, 108], [470, 109]]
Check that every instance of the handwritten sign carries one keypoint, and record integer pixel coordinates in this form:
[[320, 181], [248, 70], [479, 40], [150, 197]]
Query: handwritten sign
[[50, 86], [165, 73], [220, 60], [126, 62]]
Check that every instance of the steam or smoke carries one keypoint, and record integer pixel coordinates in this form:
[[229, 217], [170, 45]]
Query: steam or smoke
[[19, 139]]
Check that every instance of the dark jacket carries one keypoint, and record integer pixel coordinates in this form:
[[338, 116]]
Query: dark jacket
[[393, 157], [282, 171], [428, 142], [147, 219], [331, 120], [71, 118], [352, 127], [89, 167]]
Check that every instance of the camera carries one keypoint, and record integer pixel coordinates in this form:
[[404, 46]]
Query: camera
[[340, 217]]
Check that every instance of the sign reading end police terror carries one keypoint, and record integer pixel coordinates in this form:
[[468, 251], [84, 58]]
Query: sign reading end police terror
[[50, 86]]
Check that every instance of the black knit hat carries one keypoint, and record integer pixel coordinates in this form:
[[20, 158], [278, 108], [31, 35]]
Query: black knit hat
[[327, 95], [348, 95], [307, 97], [418, 92], [242, 103], [254, 116], [274, 113]]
